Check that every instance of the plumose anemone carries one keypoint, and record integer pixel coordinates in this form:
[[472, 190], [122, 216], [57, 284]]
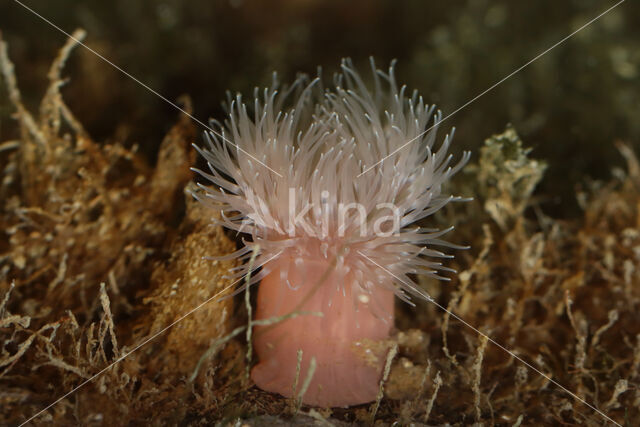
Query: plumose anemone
[[288, 171]]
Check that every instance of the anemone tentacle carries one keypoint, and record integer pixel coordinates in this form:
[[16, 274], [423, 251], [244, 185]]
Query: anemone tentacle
[[320, 145]]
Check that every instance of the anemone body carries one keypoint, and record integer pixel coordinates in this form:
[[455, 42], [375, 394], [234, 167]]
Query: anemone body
[[329, 189], [340, 377]]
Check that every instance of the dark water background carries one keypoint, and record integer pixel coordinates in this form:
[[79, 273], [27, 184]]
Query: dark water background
[[570, 106]]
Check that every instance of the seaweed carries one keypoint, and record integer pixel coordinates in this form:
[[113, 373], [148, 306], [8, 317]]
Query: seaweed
[[109, 314]]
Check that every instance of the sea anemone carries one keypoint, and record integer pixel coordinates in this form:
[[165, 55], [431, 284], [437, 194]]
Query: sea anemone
[[327, 183]]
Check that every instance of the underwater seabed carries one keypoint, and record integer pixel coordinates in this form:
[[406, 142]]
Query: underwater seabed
[[102, 253]]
